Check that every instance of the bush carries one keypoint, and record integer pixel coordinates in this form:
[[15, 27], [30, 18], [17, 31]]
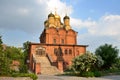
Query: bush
[[91, 74], [23, 68], [86, 62], [97, 73], [33, 76], [87, 74]]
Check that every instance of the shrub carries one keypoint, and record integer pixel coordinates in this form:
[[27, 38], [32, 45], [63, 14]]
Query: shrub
[[86, 62], [23, 68], [87, 74], [33, 76], [97, 73]]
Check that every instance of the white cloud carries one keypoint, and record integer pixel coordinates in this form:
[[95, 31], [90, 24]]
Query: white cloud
[[23, 11], [78, 23], [108, 25], [29, 17], [61, 7], [104, 30]]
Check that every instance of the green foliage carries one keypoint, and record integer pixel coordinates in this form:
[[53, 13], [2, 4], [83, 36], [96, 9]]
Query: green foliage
[[86, 64], [4, 64], [99, 62], [26, 47], [1, 47], [26, 50], [14, 53], [4, 61], [33, 76], [23, 68], [108, 53], [7, 56], [87, 74], [116, 66], [97, 73]]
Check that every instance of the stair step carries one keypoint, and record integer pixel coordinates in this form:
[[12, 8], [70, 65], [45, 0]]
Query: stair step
[[46, 67]]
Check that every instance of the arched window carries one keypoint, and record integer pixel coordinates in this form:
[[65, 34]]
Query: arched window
[[54, 41], [55, 51], [65, 51], [70, 51], [62, 41], [39, 52]]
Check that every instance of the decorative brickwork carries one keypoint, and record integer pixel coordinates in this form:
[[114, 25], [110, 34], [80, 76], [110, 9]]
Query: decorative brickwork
[[58, 43]]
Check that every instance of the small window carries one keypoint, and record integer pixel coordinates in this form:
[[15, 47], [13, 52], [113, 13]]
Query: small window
[[70, 51], [62, 41], [54, 41], [65, 51], [55, 51], [39, 52]]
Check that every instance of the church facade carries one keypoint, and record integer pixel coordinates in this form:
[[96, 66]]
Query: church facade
[[57, 47]]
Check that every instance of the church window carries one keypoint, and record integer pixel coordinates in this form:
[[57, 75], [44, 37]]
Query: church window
[[39, 52], [55, 51], [66, 51], [62, 41], [54, 41], [70, 51]]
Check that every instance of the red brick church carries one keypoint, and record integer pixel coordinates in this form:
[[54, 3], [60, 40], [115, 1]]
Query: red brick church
[[57, 47]]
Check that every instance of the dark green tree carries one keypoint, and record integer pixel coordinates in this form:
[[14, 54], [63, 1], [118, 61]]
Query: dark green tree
[[26, 49], [108, 53], [1, 47], [4, 61], [14, 53]]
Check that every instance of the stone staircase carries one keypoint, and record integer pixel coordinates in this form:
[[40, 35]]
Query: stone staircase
[[46, 67]]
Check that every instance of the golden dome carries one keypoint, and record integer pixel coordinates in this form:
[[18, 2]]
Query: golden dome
[[57, 16], [51, 15], [66, 17]]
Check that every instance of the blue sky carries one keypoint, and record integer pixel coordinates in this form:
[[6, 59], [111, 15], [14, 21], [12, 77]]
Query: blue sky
[[96, 21]]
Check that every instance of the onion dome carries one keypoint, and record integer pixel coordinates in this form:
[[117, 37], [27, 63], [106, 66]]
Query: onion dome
[[50, 15], [57, 16], [66, 17], [45, 22]]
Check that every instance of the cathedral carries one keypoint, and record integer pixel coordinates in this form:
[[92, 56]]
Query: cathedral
[[57, 47]]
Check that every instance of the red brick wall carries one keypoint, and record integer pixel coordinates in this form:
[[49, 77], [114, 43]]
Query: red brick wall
[[70, 42], [76, 50], [69, 36], [37, 68]]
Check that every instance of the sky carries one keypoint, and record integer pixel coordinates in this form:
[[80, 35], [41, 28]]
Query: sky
[[96, 21]]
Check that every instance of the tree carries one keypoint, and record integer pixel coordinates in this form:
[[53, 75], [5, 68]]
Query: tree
[[1, 47], [108, 53], [4, 61], [26, 46], [14, 53], [26, 49]]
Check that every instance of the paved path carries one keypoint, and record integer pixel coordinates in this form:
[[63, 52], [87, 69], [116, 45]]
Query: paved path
[[46, 77], [17, 78]]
